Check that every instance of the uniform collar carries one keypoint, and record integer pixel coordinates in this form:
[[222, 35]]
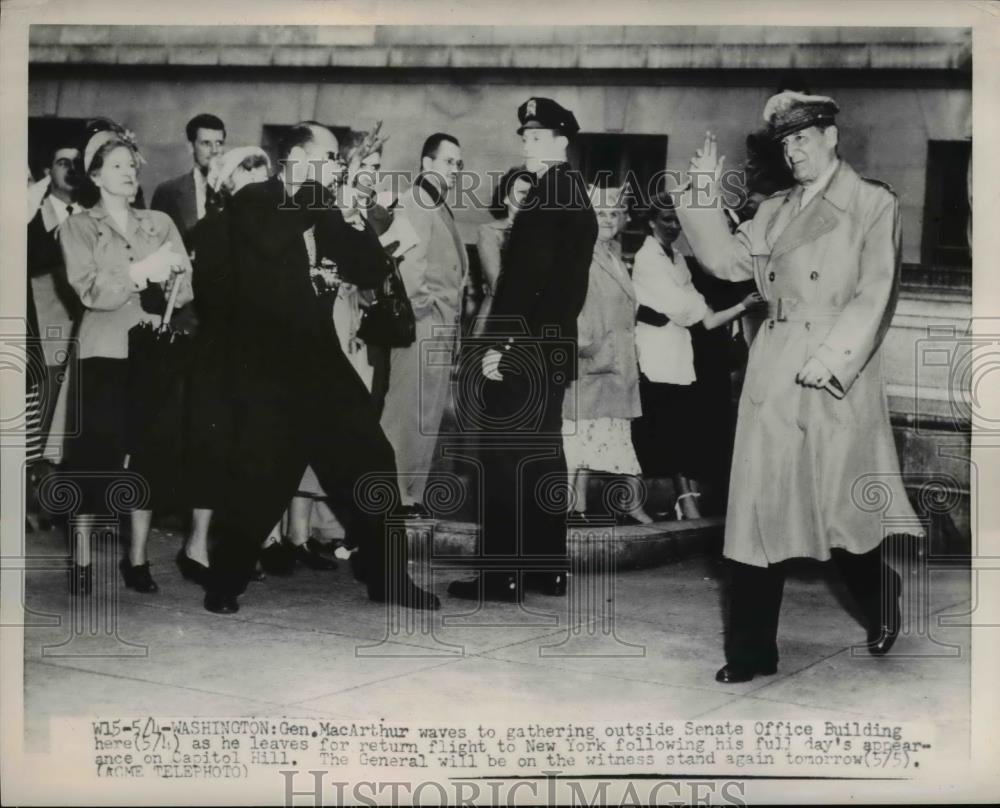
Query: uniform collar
[[842, 186]]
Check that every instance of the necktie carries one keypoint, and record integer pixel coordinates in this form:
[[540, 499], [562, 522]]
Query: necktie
[[69, 210]]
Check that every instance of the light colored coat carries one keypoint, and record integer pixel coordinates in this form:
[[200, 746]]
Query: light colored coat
[[607, 384], [434, 273], [98, 256], [813, 469]]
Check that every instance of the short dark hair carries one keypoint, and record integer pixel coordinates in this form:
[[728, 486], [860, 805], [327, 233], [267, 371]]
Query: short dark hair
[[498, 203], [203, 121], [661, 201], [64, 144], [433, 143]]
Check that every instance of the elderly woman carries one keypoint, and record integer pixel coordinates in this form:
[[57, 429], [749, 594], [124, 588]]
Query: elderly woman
[[668, 436], [113, 254], [508, 196], [600, 405], [208, 405]]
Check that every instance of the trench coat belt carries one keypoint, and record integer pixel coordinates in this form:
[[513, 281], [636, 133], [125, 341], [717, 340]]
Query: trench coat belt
[[790, 310]]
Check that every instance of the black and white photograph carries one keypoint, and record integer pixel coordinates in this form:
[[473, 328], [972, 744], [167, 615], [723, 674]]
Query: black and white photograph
[[415, 404]]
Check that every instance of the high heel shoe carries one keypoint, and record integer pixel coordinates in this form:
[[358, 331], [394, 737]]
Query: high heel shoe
[[191, 570], [137, 577]]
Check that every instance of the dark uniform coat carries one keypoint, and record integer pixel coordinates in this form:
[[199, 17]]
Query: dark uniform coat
[[540, 293], [546, 265], [813, 469]]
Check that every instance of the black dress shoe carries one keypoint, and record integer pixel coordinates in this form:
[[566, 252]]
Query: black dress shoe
[[81, 580], [258, 574], [501, 588], [882, 633], [552, 584], [278, 558], [733, 674], [220, 603], [191, 570], [308, 557], [137, 577], [322, 548], [406, 594]]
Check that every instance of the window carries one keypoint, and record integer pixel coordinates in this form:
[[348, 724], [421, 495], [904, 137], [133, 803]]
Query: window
[[946, 206], [612, 158]]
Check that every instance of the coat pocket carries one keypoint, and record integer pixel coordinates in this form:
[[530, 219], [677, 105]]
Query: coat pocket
[[602, 357]]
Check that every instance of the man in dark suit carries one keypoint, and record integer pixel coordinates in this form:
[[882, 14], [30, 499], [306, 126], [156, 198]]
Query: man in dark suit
[[184, 198], [297, 400], [56, 304], [541, 290]]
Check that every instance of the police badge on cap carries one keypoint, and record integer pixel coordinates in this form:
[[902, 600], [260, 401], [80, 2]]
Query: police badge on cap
[[789, 112], [544, 113]]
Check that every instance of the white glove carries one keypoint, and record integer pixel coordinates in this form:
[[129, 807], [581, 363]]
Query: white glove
[[156, 268]]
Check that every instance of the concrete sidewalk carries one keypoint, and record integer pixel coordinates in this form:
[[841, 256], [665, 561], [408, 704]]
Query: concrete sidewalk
[[313, 645]]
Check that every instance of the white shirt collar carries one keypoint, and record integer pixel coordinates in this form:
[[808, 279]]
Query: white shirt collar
[[54, 213], [809, 191]]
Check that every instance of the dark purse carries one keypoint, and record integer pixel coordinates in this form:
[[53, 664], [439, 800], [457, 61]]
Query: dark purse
[[389, 321]]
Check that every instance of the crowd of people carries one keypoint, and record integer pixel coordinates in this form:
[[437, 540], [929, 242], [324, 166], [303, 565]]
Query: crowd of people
[[266, 340]]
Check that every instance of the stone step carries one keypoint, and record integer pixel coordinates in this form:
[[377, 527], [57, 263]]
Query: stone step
[[595, 544]]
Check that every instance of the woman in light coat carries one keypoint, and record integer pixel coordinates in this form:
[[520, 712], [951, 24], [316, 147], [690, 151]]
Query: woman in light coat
[[114, 253], [599, 406]]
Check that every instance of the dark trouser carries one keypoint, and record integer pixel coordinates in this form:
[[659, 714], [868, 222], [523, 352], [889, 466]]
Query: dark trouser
[[755, 602], [337, 433], [524, 471]]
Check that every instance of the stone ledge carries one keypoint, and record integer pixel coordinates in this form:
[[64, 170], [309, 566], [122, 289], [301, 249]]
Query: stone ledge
[[634, 547]]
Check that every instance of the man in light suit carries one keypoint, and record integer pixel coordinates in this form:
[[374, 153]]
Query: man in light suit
[[813, 438], [184, 198], [434, 273]]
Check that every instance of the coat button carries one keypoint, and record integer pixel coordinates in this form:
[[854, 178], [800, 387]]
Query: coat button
[[770, 276], [813, 275], [770, 323]]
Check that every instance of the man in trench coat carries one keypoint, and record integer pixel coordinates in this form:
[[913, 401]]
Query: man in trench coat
[[814, 443]]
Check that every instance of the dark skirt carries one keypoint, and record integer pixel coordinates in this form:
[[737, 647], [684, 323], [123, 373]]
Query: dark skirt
[[112, 479], [667, 437]]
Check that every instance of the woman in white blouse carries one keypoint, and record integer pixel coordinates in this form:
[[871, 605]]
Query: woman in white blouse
[[667, 436]]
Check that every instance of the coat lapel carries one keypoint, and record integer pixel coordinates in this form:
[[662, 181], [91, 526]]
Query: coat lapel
[[617, 273], [189, 200], [819, 216]]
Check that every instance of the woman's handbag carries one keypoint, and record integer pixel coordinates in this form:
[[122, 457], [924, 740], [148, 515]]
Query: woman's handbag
[[389, 321]]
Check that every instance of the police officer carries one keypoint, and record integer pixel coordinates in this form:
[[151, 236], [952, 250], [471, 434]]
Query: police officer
[[525, 369], [813, 432]]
